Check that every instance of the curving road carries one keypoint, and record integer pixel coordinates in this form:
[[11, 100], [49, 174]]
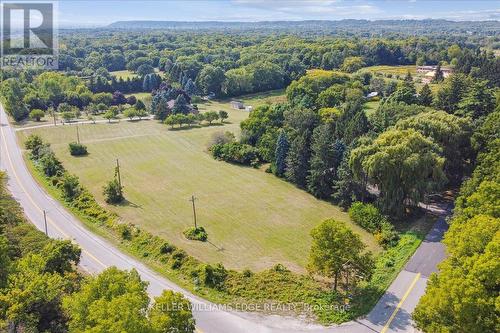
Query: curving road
[[391, 314]]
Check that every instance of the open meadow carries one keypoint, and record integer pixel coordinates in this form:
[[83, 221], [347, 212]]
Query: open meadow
[[253, 219]]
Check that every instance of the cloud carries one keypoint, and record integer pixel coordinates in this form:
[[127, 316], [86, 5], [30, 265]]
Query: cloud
[[463, 15], [312, 9]]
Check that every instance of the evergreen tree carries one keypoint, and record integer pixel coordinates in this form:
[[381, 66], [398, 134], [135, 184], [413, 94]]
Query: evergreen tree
[[181, 105], [297, 161], [146, 83], [451, 93], [175, 70], [478, 102], [184, 79], [139, 105], [405, 93], [425, 98], [162, 110], [438, 75], [168, 65], [282, 147], [326, 156], [346, 189], [356, 127], [190, 88]]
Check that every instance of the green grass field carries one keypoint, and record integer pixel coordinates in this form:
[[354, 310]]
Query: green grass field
[[394, 70], [254, 220], [125, 74]]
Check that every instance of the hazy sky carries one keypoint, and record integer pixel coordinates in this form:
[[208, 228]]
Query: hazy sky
[[86, 12]]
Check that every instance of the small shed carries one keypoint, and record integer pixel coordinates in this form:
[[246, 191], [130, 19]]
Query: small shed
[[237, 105], [248, 108], [371, 95]]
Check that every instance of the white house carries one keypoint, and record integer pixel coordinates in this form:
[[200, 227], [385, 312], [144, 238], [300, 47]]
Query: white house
[[237, 105]]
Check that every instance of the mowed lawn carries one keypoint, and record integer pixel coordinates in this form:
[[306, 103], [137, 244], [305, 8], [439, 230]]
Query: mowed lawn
[[253, 219], [394, 70], [124, 74]]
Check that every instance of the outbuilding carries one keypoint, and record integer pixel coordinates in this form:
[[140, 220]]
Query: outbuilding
[[237, 105]]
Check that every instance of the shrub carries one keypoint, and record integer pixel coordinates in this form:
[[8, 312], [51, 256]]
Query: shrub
[[214, 276], [131, 100], [68, 116], [198, 233], [49, 163], [77, 149], [220, 138], [37, 114], [235, 152], [178, 258], [166, 248], [44, 156], [34, 143], [70, 187], [130, 113], [280, 268], [369, 217], [247, 273], [387, 236], [113, 192], [124, 231]]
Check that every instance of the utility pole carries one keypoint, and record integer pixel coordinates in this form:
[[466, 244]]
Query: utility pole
[[193, 199], [118, 175], [45, 222], [77, 134]]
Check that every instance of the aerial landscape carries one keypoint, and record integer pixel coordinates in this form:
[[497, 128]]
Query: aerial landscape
[[249, 166]]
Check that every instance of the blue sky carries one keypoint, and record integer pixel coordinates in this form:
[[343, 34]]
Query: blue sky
[[86, 12]]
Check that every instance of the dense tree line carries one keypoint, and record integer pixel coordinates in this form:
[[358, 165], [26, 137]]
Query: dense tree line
[[322, 139], [412, 145], [57, 95], [463, 296], [233, 62]]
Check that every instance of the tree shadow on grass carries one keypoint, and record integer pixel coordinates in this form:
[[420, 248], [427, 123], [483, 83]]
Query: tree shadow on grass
[[187, 128], [219, 249], [128, 203], [81, 156], [184, 128]]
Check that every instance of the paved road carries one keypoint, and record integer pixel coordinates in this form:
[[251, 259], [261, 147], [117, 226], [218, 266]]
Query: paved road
[[391, 314]]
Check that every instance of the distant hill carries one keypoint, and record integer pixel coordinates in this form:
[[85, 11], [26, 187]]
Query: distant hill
[[371, 27]]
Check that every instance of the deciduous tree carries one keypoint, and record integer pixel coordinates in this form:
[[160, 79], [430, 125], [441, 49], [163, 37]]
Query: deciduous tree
[[171, 312], [403, 164], [336, 251]]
